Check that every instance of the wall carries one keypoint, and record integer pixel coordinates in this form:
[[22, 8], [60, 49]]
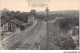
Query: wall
[[13, 27], [6, 26]]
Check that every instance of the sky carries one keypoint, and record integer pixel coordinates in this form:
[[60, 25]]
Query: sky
[[53, 5]]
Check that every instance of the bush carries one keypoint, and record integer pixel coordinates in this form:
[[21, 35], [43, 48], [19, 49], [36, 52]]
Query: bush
[[67, 23], [60, 40]]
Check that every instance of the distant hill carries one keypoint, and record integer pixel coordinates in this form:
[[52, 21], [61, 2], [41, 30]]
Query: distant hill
[[70, 12], [54, 14], [59, 12]]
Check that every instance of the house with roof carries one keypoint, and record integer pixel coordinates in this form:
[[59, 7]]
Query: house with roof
[[31, 16], [74, 31], [31, 19], [11, 25]]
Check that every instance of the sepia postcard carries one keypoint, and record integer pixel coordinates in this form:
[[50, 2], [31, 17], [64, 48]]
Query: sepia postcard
[[39, 25]]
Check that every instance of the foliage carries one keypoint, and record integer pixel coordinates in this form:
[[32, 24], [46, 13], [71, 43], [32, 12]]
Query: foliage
[[23, 16], [67, 23], [60, 40], [58, 32]]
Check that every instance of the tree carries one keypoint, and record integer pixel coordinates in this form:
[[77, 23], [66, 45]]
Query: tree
[[60, 40]]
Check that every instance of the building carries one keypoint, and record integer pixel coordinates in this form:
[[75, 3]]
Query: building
[[31, 17], [74, 31], [11, 25]]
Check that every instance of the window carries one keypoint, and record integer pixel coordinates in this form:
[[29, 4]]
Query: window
[[9, 26]]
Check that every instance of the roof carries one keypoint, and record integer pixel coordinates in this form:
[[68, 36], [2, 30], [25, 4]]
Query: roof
[[16, 21]]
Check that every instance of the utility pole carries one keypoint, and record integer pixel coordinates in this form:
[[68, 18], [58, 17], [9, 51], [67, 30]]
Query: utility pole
[[47, 28]]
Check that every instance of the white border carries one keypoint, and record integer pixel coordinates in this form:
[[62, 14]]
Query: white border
[[39, 51], [79, 24]]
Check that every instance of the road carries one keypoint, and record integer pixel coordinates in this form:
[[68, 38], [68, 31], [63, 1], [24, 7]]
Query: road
[[33, 37]]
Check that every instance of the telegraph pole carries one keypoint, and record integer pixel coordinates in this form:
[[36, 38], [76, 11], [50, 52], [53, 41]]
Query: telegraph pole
[[47, 28]]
